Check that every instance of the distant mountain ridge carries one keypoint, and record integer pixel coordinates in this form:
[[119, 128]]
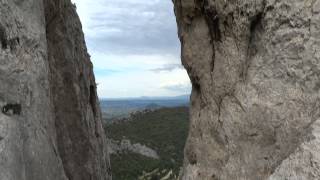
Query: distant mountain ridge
[[185, 97], [118, 108]]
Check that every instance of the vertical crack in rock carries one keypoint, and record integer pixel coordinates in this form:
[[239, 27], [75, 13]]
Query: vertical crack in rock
[[3, 37], [212, 19], [255, 27], [93, 99]]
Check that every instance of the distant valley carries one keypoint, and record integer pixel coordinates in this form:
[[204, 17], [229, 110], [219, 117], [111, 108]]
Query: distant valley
[[146, 136], [149, 145]]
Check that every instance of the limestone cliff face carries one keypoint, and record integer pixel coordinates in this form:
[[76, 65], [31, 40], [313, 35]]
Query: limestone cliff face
[[50, 120], [255, 104]]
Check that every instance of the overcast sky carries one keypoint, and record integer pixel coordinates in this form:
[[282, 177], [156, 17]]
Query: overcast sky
[[134, 47]]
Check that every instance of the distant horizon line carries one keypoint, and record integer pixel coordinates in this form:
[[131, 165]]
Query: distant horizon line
[[145, 97]]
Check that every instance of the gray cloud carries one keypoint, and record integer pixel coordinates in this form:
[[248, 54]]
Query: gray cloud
[[134, 27]]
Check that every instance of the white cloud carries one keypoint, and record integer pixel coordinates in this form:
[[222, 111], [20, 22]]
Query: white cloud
[[144, 83], [132, 61]]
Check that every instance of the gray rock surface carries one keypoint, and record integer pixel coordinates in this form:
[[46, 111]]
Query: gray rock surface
[[255, 103], [125, 145], [50, 120]]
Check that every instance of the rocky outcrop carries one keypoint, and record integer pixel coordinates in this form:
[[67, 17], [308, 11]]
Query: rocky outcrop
[[255, 103], [50, 120], [125, 145]]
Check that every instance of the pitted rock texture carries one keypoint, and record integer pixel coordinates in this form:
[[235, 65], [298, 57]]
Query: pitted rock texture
[[50, 120], [255, 103]]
